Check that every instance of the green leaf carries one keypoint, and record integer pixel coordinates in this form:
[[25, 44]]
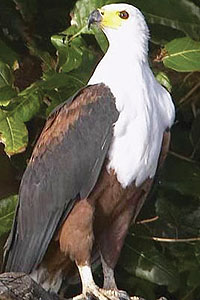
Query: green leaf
[[61, 46], [182, 55], [154, 267], [161, 34], [6, 94], [74, 56], [21, 109], [6, 75], [7, 55], [146, 262], [193, 279], [85, 70], [60, 87], [56, 98], [13, 133], [7, 211], [101, 39], [177, 217], [164, 80], [46, 58], [27, 104], [60, 80], [82, 10], [69, 52], [81, 13], [184, 178]]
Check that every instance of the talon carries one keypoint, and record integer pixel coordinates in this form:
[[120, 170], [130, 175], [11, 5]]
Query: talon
[[115, 294], [89, 288], [124, 295], [79, 297], [90, 296], [137, 298], [95, 293]]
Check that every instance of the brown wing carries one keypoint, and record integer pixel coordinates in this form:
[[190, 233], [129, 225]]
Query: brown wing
[[64, 166]]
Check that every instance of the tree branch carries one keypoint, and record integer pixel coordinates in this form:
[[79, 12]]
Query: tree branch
[[19, 286]]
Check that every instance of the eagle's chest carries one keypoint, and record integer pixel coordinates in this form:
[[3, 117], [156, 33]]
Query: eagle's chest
[[135, 147], [145, 112]]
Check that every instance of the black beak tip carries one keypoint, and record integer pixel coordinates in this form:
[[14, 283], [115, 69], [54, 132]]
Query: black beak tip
[[90, 22], [94, 18]]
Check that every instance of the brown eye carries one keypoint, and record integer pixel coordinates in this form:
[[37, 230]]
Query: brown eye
[[123, 14]]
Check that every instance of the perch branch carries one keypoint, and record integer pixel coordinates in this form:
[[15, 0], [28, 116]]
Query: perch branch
[[19, 286]]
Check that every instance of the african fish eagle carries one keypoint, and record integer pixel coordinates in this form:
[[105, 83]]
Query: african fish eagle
[[93, 164]]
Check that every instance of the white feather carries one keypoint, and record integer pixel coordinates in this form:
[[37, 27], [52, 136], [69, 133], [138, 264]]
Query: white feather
[[145, 107]]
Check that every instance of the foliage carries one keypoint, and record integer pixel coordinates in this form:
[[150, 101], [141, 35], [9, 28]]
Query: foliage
[[182, 55], [7, 209], [44, 60]]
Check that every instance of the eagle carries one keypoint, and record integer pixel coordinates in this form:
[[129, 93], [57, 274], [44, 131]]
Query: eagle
[[93, 164]]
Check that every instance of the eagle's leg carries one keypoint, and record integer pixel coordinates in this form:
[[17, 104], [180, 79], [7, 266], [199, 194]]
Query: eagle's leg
[[109, 287], [76, 241], [109, 278], [112, 239], [89, 288], [110, 244]]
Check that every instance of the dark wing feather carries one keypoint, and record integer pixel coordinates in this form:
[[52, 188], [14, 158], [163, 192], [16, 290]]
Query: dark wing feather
[[64, 166]]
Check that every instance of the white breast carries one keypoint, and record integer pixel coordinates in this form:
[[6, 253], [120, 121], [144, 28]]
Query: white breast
[[146, 110]]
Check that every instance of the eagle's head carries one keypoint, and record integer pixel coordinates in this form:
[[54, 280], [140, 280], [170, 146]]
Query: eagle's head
[[121, 23]]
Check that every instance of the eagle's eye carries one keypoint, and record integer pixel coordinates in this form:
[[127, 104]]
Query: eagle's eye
[[123, 14]]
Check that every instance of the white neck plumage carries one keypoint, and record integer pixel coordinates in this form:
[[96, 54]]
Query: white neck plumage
[[126, 57], [145, 107], [133, 45], [123, 66]]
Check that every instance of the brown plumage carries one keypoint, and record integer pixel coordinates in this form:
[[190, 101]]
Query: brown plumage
[[60, 172], [102, 219]]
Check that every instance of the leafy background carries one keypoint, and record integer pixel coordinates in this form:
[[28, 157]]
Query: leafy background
[[46, 54]]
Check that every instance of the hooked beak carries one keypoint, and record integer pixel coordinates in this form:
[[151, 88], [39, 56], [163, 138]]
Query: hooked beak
[[94, 18]]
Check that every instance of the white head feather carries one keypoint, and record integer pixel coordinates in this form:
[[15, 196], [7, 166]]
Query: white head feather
[[132, 34]]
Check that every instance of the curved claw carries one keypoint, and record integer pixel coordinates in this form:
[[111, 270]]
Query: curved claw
[[115, 294], [92, 292], [79, 297], [123, 295], [95, 293]]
